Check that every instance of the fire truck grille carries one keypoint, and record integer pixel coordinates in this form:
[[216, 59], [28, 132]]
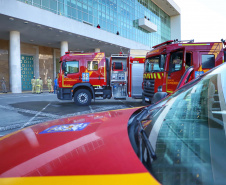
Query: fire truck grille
[[149, 87]]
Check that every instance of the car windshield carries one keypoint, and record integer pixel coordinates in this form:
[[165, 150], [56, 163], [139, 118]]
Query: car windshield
[[155, 64], [188, 133]]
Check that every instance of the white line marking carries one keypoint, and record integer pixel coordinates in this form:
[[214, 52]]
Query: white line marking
[[125, 104], [30, 111], [50, 117], [91, 109], [9, 127], [35, 116]]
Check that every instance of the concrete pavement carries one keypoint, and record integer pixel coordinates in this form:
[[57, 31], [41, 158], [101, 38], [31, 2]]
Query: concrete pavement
[[24, 109]]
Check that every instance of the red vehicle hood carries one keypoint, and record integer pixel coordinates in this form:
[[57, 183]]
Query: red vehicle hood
[[87, 145]]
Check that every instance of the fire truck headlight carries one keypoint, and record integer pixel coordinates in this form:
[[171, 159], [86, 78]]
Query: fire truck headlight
[[160, 89]]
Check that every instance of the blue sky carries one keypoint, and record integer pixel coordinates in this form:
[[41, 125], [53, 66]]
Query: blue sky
[[203, 20]]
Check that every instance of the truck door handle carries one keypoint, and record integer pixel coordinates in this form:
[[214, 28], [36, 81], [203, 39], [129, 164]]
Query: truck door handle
[[99, 77], [79, 77]]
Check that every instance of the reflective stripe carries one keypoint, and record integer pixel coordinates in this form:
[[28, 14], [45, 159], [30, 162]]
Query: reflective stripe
[[193, 44], [154, 75], [104, 72], [137, 178], [169, 91], [81, 54], [159, 76]]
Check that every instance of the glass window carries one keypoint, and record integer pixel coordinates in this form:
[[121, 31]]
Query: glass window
[[72, 66], [60, 7], [155, 64], [92, 65], [37, 3], [85, 17], [74, 13], [45, 4], [120, 14], [53, 6], [208, 61], [176, 60]]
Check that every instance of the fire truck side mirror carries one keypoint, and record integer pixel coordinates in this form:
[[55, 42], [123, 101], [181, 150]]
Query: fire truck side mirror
[[161, 62], [64, 66]]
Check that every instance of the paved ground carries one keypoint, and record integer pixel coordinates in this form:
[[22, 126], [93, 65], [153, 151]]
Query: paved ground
[[21, 110]]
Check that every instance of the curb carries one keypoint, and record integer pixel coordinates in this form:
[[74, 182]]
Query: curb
[[23, 92]]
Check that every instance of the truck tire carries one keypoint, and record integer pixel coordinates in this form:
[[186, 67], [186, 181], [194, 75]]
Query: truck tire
[[82, 97]]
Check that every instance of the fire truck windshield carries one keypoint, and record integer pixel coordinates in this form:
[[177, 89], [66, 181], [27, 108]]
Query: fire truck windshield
[[72, 66], [155, 64]]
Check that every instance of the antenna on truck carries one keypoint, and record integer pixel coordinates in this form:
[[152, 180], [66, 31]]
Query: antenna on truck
[[223, 41]]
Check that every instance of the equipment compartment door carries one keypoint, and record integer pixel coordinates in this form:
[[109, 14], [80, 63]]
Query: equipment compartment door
[[176, 69], [137, 79]]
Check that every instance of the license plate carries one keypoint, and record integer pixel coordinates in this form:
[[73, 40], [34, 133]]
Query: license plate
[[146, 99]]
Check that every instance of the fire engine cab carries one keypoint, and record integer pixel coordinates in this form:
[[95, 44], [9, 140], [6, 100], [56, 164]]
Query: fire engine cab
[[167, 62], [83, 76], [87, 76]]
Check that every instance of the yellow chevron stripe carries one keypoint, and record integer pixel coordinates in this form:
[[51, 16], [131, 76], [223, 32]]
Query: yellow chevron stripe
[[159, 77], [138, 178], [216, 48], [98, 57]]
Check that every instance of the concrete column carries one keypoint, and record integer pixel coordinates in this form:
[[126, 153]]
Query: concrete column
[[97, 49], [63, 47], [36, 62], [175, 24], [14, 62]]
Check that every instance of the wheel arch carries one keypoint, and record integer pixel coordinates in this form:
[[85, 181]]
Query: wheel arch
[[87, 86]]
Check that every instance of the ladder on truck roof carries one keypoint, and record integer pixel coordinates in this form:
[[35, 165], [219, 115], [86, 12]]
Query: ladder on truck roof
[[184, 41], [119, 55], [173, 41], [72, 52]]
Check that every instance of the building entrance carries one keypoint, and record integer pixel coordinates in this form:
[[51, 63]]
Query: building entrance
[[27, 72]]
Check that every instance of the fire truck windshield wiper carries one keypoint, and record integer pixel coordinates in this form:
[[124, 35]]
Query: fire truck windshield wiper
[[144, 138]]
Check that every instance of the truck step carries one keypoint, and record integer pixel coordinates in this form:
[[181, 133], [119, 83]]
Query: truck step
[[120, 98], [99, 93], [99, 98]]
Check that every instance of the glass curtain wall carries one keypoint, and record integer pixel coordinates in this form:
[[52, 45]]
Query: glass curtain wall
[[114, 16]]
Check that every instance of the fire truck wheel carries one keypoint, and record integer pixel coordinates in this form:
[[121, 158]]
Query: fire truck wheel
[[82, 97]]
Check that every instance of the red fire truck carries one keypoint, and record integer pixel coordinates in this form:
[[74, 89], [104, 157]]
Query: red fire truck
[[86, 76], [168, 61]]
